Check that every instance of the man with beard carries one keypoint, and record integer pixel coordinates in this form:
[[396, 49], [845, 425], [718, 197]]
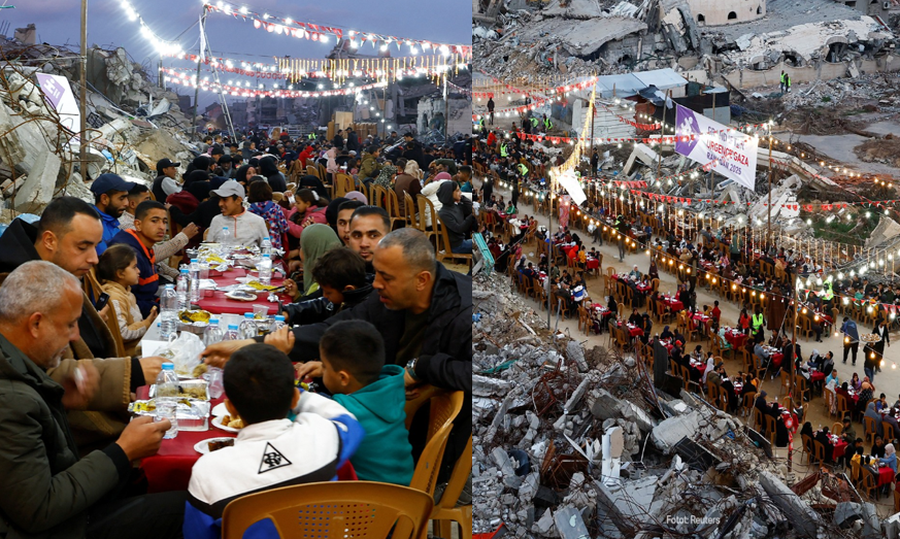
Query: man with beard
[[46, 488], [368, 225], [110, 200]]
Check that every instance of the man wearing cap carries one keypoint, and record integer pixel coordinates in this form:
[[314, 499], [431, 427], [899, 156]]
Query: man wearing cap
[[164, 184], [244, 227], [110, 200]]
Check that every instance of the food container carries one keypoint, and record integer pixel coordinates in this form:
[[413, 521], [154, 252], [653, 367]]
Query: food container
[[192, 415], [188, 389]]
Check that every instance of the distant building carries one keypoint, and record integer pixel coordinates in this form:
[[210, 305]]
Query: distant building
[[720, 12]]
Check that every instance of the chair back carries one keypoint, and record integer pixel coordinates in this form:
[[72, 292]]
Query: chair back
[[757, 421], [379, 197], [722, 399], [888, 430], [747, 402], [333, 510], [807, 446], [426, 212], [771, 429], [819, 452], [870, 428], [313, 171], [444, 409], [837, 429], [409, 210]]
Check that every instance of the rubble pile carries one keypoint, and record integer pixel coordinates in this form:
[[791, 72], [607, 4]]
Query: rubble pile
[[573, 442], [132, 124]]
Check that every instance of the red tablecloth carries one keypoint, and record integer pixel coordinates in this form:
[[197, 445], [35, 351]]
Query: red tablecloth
[[885, 476], [170, 469], [816, 376], [839, 449], [217, 303], [737, 340], [777, 359], [699, 367], [593, 263], [674, 304]]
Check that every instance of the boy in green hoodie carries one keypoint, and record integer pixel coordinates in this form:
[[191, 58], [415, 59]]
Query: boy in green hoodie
[[352, 368]]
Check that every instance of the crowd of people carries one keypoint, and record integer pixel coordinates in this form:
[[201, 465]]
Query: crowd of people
[[372, 317]]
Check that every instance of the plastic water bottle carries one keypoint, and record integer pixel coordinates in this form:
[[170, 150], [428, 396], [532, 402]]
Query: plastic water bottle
[[247, 329], [267, 246], [232, 333], [167, 397], [195, 280], [265, 270], [226, 236], [213, 333], [168, 316], [181, 288], [279, 322]]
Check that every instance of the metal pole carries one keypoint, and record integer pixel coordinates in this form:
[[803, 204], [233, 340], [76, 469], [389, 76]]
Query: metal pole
[[83, 145], [199, 63], [769, 225], [550, 257], [161, 81]]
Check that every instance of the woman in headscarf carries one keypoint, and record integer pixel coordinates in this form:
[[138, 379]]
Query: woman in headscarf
[[331, 212], [855, 382], [710, 365], [430, 192], [653, 271], [866, 392], [875, 416], [195, 176], [331, 165], [456, 223], [666, 334], [356, 195], [317, 240], [890, 457], [244, 173], [269, 169]]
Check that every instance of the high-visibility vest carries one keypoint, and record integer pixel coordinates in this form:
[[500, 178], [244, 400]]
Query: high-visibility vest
[[311, 136], [534, 122], [757, 321], [503, 151], [523, 170], [829, 292], [782, 77], [548, 125]]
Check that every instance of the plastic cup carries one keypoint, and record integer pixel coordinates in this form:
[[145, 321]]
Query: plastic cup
[[260, 311]]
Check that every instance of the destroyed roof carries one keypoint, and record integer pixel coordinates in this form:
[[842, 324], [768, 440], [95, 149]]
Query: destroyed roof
[[809, 41], [582, 37], [631, 84]]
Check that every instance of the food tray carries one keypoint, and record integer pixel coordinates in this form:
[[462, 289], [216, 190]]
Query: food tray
[[192, 415], [189, 389]]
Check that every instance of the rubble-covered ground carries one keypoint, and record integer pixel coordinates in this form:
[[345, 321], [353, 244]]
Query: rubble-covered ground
[[573, 442]]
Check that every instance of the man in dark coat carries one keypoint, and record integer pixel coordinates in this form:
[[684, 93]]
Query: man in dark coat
[[46, 489], [424, 313]]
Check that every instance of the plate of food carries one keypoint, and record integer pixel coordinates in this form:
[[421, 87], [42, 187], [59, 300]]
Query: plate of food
[[209, 445], [194, 316], [219, 410], [228, 423], [241, 295], [869, 338]]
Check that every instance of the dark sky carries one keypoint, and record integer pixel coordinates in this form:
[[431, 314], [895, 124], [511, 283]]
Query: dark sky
[[58, 22]]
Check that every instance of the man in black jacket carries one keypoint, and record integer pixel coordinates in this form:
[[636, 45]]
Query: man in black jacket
[[424, 313]]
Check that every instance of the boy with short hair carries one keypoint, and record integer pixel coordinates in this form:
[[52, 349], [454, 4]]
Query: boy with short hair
[[341, 275], [271, 450], [353, 369]]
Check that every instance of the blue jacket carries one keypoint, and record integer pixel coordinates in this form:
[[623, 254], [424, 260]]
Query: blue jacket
[[148, 284], [110, 229], [849, 329], [385, 454]]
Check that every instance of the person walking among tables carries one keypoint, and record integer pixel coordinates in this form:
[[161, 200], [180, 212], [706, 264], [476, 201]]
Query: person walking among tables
[[744, 322], [881, 330], [851, 338], [758, 321]]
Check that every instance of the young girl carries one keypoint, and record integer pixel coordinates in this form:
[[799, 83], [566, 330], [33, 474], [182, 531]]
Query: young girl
[[117, 272]]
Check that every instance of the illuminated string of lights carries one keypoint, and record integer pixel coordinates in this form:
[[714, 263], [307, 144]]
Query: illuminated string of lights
[[192, 81], [163, 46], [292, 27]]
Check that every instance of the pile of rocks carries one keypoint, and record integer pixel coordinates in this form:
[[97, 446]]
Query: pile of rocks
[[578, 443]]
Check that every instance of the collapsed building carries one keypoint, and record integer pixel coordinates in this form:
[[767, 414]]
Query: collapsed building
[[132, 124], [572, 442], [748, 42]]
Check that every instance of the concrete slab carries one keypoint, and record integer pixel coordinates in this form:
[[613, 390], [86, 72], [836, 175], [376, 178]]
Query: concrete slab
[[38, 189], [672, 430], [805, 521], [570, 524]]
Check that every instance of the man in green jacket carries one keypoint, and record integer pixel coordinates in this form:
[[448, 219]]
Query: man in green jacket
[[370, 167], [46, 490]]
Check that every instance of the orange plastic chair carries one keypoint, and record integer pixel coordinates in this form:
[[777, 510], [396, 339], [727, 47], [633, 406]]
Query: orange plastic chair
[[446, 512], [444, 409], [333, 510]]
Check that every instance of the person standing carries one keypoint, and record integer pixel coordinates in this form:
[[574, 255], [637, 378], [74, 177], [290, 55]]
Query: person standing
[[851, 339], [782, 81], [490, 106]]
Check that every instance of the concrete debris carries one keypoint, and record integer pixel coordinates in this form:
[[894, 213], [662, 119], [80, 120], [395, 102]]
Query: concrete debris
[[574, 450], [40, 157]]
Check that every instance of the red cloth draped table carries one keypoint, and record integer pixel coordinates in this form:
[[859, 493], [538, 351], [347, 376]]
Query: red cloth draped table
[[735, 338], [840, 447], [674, 304], [816, 376], [170, 468], [885, 476], [698, 319], [568, 249], [777, 358], [699, 366], [593, 263], [634, 331], [217, 303]]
